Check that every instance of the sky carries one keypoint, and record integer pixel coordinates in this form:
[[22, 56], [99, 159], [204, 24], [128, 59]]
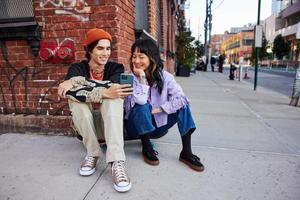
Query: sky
[[226, 14]]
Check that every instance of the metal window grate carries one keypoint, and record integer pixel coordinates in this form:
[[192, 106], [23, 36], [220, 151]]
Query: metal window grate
[[141, 15], [15, 10]]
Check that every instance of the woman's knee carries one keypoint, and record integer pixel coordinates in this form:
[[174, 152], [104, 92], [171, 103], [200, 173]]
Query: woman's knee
[[185, 121], [146, 108]]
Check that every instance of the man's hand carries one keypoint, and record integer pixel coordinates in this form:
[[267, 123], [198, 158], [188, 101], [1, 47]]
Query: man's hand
[[117, 91], [64, 87]]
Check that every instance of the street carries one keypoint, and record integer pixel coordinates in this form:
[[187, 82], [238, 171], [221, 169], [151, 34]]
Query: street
[[280, 82]]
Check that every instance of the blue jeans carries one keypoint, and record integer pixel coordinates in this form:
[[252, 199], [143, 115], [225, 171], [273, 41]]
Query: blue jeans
[[141, 121]]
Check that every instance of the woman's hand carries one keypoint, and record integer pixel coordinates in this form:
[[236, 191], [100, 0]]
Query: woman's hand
[[138, 72], [117, 91], [141, 74], [156, 110], [63, 88]]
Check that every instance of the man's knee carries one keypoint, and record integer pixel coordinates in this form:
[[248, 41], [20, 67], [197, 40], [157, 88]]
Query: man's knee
[[113, 102], [80, 110], [112, 107]]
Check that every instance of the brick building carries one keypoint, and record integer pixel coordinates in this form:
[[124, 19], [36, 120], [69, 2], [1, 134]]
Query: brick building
[[216, 43], [40, 38], [238, 45]]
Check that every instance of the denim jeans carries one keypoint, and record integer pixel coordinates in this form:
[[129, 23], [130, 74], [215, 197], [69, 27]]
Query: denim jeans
[[141, 121]]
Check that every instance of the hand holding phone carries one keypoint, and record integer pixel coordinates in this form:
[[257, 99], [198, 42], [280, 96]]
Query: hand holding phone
[[126, 79]]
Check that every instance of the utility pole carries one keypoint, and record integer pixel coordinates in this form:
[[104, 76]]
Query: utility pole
[[208, 27], [205, 34], [257, 38], [209, 33]]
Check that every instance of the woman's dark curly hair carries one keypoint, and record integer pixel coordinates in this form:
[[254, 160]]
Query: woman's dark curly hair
[[150, 49]]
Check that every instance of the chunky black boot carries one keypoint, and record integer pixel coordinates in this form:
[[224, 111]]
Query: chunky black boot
[[149, 154], [192, 161], [186, 156]]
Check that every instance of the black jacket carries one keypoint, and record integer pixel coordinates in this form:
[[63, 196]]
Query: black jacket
[[112, 71]]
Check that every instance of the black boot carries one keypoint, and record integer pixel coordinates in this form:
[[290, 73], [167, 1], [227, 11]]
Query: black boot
[[149, 154], [186, 156]]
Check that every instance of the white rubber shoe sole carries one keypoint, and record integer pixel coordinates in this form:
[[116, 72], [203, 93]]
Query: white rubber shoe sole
[[87, 172], [123, 188]]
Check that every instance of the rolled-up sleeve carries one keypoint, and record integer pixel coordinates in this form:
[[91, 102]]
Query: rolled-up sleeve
[[140, 94], [176, 97]]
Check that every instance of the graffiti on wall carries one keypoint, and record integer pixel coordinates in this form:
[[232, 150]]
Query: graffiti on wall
[[44, 103], [75, 8]]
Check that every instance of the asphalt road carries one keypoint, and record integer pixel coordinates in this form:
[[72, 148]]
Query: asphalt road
[[277, 81]]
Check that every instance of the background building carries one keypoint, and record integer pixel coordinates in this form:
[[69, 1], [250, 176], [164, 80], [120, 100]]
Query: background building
[[275, 6], [286, 24], [238, 45], [40, 38], [216, 43], [248, 27]]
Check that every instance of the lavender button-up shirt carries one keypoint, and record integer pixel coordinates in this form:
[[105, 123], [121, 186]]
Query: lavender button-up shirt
[[170, 100]]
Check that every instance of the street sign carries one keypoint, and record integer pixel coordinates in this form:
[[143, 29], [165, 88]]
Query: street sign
[[258, 35]]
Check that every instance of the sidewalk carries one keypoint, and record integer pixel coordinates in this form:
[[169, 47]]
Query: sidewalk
[[248, 141]]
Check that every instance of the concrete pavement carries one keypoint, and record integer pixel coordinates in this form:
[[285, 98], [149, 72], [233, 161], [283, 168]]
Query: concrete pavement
[[248, 141]]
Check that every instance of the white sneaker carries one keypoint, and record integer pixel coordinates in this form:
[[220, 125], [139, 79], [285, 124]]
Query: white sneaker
[[120, 177], [88, 166]]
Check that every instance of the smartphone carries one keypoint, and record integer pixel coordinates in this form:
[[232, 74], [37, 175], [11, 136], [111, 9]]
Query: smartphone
[[126, 79]]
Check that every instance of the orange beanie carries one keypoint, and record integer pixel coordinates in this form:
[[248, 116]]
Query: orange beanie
[[96, 34]]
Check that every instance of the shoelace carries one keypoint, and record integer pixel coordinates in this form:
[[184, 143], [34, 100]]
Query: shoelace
[[153, 153], [89, 161], [196, 157], [119, 171]]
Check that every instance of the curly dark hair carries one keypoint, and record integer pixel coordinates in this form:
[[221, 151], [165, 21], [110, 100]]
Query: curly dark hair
[[149, 48]]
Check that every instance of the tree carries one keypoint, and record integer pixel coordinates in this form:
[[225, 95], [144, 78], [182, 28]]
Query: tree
[[280, 47], [199, 48], [185, 52]]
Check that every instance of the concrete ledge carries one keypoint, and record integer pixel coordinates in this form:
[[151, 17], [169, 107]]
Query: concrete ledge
[[45, 124]]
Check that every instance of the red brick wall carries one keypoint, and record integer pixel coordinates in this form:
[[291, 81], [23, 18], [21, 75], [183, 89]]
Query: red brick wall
[[167, 22], [152, 16], [28, 85], [169, 34]]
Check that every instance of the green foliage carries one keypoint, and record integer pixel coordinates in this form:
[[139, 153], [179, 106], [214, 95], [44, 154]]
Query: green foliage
[[280, 47], [185, 52], [199, 48]]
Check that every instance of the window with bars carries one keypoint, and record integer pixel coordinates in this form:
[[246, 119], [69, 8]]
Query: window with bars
[[141, 15], [142, 20], [17, 22], [16, 11]]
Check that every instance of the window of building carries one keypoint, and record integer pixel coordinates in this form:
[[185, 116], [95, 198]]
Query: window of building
[[141, 15], [248, 42], [16, 11], [159, 26], [17, 22]]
